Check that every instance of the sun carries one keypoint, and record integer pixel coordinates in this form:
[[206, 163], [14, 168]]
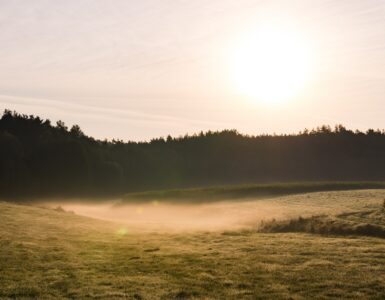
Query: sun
[[271, 64]]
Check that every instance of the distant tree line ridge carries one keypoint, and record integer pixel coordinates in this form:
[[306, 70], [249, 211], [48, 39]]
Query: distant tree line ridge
[[40, 159]]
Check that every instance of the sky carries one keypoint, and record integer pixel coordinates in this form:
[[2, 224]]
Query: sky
[[136, 70]]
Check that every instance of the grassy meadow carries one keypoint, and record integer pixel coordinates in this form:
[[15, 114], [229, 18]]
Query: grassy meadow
[[251, 191], [49, 253]]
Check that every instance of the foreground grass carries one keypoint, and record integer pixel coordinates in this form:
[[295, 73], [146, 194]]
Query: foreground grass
[[51, 254], [247, 191]]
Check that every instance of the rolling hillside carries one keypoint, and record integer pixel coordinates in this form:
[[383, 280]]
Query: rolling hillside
[[48, 253]]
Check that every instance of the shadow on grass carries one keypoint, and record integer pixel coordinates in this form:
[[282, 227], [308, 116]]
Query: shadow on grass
[[250, 191]]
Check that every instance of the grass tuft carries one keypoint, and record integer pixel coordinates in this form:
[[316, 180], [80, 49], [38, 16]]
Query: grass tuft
[[364, 223]]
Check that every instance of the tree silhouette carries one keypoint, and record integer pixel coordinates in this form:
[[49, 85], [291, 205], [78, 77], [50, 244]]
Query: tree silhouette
[[39, 159]]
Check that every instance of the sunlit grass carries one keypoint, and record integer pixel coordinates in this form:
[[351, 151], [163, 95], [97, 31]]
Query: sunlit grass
[[46, 253]]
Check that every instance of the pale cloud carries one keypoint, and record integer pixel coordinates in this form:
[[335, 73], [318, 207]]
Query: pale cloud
[[151, 68]]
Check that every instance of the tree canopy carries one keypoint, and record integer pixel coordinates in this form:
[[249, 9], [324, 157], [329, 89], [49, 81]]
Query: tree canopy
[[40, 159]]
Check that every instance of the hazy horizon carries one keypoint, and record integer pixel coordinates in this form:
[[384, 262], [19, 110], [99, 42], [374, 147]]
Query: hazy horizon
[[140, 70]]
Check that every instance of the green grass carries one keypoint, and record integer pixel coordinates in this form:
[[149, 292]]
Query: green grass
[[363, 223], [247, 191], [48, 254]]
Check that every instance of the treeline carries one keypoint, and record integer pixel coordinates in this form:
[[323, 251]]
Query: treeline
[[38, 158]]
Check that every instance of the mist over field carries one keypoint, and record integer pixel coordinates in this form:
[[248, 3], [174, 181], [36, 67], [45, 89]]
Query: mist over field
[[229, 214], [180, 217]]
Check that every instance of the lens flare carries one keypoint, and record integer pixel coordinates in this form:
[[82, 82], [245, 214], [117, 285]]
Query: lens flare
[[122, 231]]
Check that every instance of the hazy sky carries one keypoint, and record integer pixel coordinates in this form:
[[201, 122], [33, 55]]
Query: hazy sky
[[141, 69]]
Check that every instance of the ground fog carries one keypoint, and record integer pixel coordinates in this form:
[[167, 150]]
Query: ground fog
[[222, 215]]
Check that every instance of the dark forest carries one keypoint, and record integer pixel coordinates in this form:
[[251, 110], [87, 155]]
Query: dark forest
[[39, 159]]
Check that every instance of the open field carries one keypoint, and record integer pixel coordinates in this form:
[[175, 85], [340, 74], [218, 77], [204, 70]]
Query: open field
[[47, 253], [251, 191]]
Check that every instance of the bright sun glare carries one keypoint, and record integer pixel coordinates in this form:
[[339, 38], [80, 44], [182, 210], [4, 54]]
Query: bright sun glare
[[271, 64]]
